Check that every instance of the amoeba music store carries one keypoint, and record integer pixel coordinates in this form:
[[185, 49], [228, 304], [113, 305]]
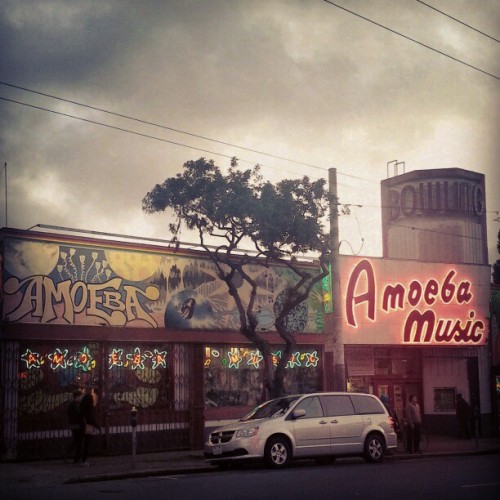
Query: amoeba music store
[[412, 327], [150, 327]]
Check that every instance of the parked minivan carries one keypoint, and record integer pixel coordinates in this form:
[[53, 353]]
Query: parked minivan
[[326, 424]]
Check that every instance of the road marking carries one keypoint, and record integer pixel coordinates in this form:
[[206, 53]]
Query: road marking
[[479, 485]]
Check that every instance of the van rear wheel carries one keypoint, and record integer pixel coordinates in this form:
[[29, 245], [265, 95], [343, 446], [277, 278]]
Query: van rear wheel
[[374, 448]]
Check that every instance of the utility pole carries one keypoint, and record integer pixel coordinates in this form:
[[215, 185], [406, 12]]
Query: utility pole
[[6, 204], [335, 344]]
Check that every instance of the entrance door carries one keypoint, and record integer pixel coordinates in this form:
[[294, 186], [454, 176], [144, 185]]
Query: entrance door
[[398, 392]]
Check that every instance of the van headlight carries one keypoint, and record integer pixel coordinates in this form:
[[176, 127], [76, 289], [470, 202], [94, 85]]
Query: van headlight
[[246, 433]]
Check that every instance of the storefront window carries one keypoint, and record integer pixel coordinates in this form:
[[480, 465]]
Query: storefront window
[[135, 375], [47, 377], [234, 375], [444, 399], [360, 384], [396, 362], [138, 376]]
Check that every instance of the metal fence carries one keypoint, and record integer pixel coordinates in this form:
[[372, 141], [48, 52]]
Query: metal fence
[[39, 379]]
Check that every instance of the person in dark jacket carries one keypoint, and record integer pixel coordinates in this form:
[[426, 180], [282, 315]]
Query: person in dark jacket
[[74, 421], [464, 415], [414, 423], [89, 424]]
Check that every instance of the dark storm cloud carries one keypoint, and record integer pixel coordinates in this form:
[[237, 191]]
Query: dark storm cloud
[[66, 42], [298, 79]]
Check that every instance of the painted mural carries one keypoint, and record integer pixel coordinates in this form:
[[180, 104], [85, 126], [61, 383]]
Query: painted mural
[[46, 282]]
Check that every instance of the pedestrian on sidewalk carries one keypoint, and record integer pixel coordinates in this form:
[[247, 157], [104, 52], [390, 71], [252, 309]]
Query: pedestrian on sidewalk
[[89, 424], [464, 416], [74, 422], [414, 424]]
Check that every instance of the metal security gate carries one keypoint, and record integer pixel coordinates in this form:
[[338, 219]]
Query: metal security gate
[[38, 379]]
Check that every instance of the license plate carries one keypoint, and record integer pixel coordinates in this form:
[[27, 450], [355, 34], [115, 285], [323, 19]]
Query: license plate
[[217, 450]]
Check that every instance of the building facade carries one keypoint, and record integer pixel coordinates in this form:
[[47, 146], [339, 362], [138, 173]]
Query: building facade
[[439, 216], [154, 328], [418, 328], [151, 327]]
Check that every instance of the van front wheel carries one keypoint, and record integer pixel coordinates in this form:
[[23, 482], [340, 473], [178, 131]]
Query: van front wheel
[[278, 452], [374, 448]]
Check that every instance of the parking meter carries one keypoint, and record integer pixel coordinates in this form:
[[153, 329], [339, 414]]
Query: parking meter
[[133, 416]]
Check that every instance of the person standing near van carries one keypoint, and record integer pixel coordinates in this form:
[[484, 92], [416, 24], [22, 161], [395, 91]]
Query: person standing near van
[[414, 424], [464, 415]]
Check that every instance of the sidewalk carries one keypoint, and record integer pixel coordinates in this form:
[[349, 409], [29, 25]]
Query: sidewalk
[[43, 473]]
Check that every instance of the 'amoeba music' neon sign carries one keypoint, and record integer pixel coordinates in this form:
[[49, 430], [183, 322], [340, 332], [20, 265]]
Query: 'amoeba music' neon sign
[[426, 301]]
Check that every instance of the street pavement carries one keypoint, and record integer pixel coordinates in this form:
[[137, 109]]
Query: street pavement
[[104, 468]]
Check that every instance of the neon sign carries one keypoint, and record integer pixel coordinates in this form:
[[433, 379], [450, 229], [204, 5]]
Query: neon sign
[[135, 360], [84, 360], [235, 356], [61, 359], [427, 300], [58, 359], [32, 359]]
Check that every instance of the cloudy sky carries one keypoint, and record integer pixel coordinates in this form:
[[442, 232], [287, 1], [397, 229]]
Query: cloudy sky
[[298, 79]]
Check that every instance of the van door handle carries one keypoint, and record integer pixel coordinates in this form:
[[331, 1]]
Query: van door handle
[[323, 422], [334, 421]]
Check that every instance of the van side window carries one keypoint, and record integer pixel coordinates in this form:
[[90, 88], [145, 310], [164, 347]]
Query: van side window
[[336, 406], [312, 406], [365, 405]]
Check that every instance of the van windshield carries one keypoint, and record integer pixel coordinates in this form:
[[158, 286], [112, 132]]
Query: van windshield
[[271, 409]]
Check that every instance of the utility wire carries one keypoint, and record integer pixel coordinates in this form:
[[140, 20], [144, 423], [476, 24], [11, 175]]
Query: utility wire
[[457, 20], [210, 152], [165, 127], [357, 205], [411, 39], [148, 136], [427, 230]]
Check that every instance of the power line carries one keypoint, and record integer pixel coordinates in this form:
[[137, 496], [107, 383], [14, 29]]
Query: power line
[[165, 127], [210, 152], [414, 228], [121, 129], [140, 134], [411, 39], [457, 20], [148, 136]]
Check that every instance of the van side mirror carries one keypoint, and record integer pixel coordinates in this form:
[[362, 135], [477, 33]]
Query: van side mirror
[[299, 413]]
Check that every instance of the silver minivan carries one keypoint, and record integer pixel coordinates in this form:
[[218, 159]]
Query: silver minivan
[[325, 424]]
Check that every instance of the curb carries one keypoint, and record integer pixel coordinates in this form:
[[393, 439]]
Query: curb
[[114, 476], [204, 469], [418, 456]]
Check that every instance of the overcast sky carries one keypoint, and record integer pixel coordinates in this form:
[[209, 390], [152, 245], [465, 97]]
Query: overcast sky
[[299, 79]]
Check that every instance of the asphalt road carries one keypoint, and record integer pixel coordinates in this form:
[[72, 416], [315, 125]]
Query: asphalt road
[[460, 477]]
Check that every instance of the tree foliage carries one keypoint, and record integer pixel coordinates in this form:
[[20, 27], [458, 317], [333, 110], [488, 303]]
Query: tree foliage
[[240, 210]]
